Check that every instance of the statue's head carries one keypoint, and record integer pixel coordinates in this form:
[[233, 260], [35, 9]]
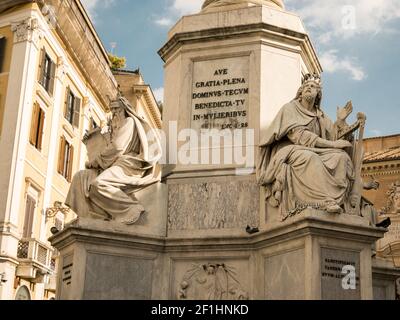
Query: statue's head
[[121, 107], [118, 110], [311, 90]]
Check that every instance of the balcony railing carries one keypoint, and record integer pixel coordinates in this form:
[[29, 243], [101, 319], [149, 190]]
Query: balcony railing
[[34, 251]]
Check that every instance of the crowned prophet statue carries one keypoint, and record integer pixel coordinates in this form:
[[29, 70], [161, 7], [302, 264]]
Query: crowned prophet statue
[[124, 163], [305, 159]]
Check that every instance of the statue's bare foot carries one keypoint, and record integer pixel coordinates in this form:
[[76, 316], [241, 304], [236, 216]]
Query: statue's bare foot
[[334, 208], [133, 216], [132, 220]]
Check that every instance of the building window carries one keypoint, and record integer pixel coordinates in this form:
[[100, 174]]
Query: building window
[[31, 202], [65, 160], [2, 52], [37, 126], [47, 72], [72, 108]]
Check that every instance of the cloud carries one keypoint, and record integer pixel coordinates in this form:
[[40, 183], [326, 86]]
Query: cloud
[[159, 94], [183, 7], [164, 22], [343, 18], [176, 9], [92, 5], [332, 63], [335, 23]]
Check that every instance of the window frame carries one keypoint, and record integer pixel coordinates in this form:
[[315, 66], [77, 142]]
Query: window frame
[[33, 195], [37, 129], [3, 47], [47, 71], [72, 110], [65, 159]]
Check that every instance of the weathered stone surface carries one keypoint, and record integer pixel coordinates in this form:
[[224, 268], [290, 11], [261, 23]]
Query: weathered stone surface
[[110, 277], [213, 205], [279, 263], [284, 272]]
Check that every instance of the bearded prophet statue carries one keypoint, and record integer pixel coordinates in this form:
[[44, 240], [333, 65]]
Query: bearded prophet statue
[[304, 161], [126, 163]]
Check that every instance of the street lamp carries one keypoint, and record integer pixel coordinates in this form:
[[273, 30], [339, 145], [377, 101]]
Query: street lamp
[[57, 207]]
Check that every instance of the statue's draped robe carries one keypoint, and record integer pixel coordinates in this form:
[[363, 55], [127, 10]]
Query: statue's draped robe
[[291, 166], [125, 166]]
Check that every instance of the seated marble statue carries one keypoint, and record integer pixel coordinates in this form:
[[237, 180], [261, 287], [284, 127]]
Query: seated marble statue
[[106, 188], [302, 163]]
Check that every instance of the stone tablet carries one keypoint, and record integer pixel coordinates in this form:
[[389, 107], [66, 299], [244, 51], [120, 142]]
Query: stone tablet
[[220, 94], [335, 279]]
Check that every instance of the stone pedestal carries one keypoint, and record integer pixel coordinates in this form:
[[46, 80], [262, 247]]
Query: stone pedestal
[[316, 249], [302, 259]]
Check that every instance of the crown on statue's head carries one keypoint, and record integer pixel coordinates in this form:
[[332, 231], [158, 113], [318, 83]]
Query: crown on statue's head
[[312, 77]]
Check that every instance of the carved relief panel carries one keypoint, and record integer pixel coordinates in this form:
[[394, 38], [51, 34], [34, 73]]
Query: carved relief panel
[[211, 281], [393, 202]]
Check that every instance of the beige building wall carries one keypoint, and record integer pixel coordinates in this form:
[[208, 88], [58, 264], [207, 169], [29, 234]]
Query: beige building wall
[[25, 170], [7, 34]]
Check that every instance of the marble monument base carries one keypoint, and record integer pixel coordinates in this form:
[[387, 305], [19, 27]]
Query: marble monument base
[[302, 258]]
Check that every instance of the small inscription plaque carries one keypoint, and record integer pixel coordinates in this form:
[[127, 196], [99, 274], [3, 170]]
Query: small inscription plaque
[[67, 270], [66, 276], [220, 94], [340, 274]]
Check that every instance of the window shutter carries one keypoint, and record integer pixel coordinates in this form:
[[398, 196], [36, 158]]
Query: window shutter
[[34, 124], [42, 66], [40, 129], [52, 78], [61, 156], [70, 163], [67, 92], [29, 215], [2, 52], [77, 112]]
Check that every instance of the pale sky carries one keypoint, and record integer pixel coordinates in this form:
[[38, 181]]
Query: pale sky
[[357, 42]]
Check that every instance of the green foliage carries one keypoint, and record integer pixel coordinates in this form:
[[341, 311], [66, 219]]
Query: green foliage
[[117, 62]]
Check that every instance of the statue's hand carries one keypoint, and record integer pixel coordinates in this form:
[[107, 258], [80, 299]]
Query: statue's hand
[[88, 134], [354, 200], [343, 113], [91, 165], [342, 144]]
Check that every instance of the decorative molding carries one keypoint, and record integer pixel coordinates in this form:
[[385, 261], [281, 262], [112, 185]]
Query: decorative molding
[[27, 30], [62, 69], [30, 182], [211, 282], [48, 101], [85, 102]]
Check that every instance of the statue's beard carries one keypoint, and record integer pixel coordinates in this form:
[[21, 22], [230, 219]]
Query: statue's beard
[[309, 98], [116, 122]]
